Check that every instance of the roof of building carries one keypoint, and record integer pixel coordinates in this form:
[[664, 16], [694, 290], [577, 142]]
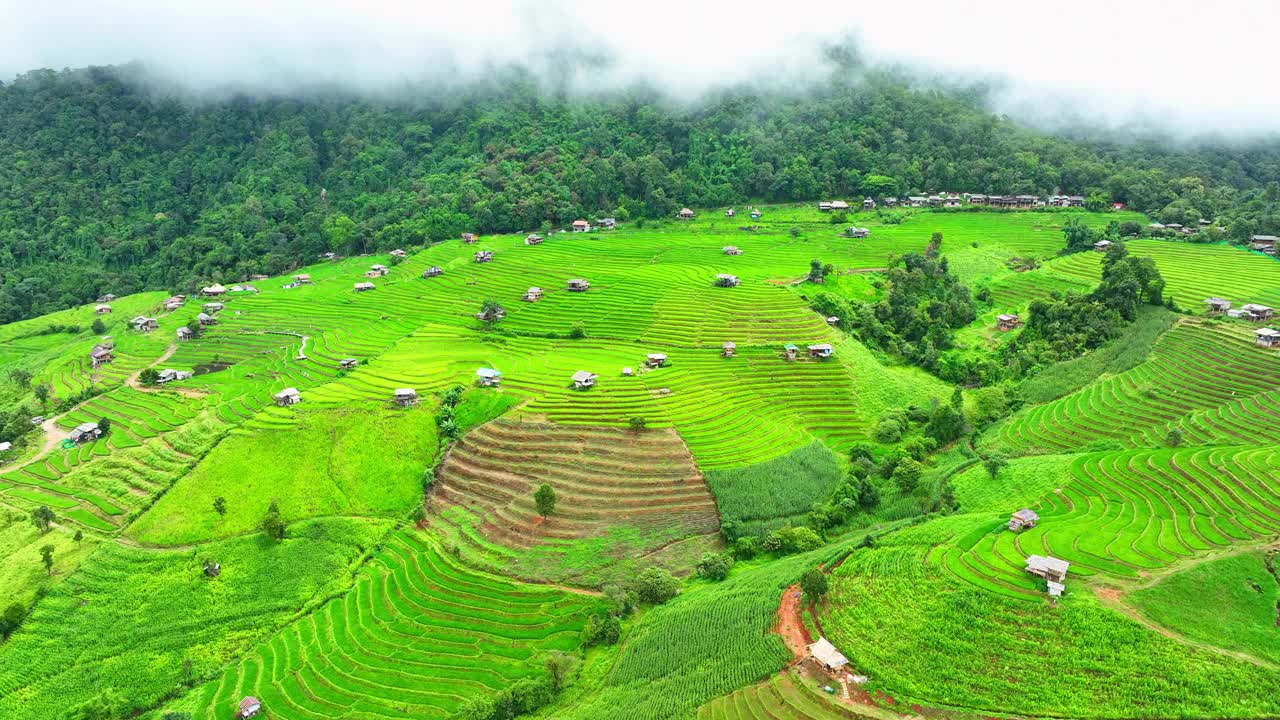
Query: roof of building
[[827, 654], [1263, 238], [1026, 515], [583, 375], [726, 276], [5, 446], [249, 703], [1006, 317], [1215, 301], [821, 346], [1056, 588], [730, 344], [789, 346], [86, 427], [184, 330], [288, 392], [215, 288], [1047, 564], [363, 285], [1254, 307], [655, 356], [488, 373], [406, 392], [1266, 332]]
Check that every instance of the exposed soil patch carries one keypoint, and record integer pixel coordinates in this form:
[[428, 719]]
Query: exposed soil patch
[[790, 626], [212, 367]]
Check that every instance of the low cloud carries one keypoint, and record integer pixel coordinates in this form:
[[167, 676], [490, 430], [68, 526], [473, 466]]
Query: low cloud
[[1188, 69]]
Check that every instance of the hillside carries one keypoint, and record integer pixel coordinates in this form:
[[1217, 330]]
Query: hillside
[[351, 556], [110, 186]]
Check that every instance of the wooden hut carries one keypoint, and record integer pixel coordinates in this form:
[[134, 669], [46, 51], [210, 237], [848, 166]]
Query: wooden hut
[[533, 294], [288, 396], [1049, 568], [728, 349], [731, 250], [726, 280], [1007, 321], [685, 214], [1217, 305], [1023, 519], [433, 271], [583, 380], [1266, 337], [488, 377], [404, 397], [469, 238], [655, 360], [581, 226], [826, 656], [533, 239], [790, 351], [821, 351], [578, 285], [363, 286]]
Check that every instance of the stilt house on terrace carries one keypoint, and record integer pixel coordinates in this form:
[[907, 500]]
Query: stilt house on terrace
[[1023, 519]]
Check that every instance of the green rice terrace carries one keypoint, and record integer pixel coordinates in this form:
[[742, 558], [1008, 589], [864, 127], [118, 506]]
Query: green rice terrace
[[751, 468]]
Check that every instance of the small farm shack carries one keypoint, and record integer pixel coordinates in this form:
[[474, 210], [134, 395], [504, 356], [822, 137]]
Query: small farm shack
[[348, 363], [533, 294], [404, 397], [533, 239], [488, 377], [1266, 337], [1217, 305], [655, 360], [1007, 321], [826, 656], [685, 214], [1023, 519], [583, 380], [288, 396], [726, 280], [363, 286], [820, 350], [1049, 568], [581, 226], [731, 250], [432, 271], [85, 432], [579, 285], [790, 351], [728, 349]]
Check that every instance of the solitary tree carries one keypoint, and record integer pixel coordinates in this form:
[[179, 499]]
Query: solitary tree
[[105, 426], [545, 499], [561, 666], [98, 327], [656, 585], [492, 311], [715, 566], [907, 475], [273, 525], [79, 536], [1174, 438], [149, 376], [637, 423], [42, 517], [994, 463], [42, 394], [46, 554], [814, 584], [220, 505]]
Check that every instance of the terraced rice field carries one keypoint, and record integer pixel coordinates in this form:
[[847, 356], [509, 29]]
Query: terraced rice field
[[1121, 514], [417, 636], [640, 489], [782, 697], [1013, 292], [1238, 275], [1209, 376]]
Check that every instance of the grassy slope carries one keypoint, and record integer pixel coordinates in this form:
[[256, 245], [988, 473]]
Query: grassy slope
[[767, 495], [356, 461], [1231, 602], [131, 617]]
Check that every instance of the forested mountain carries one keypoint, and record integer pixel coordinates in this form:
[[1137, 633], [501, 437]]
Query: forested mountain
[[108, 186]]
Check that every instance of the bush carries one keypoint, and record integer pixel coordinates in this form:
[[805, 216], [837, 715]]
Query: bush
[[888, 431], [656, 585], [789, 540], [601, 630], [907, 475], [636, 423], [714, 566], [814, 584]]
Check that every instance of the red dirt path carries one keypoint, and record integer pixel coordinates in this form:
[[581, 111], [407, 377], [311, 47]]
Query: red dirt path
[[790, 626]]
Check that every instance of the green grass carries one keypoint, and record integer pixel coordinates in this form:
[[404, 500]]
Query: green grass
[[1126, 352], [925, 636], [620, 494], [1231, 602], [1237, 274], [366, 460], [1193, 368], [786, 696], [416, 637], [130, 618], [767, 495]]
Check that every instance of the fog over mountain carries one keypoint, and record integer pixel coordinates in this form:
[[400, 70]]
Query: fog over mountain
[[1174, 67]]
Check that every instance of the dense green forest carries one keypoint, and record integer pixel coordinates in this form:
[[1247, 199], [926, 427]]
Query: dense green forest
[[108, 186]]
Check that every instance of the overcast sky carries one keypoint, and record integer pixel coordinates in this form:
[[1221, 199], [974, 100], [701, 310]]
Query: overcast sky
[[1189, 67]]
